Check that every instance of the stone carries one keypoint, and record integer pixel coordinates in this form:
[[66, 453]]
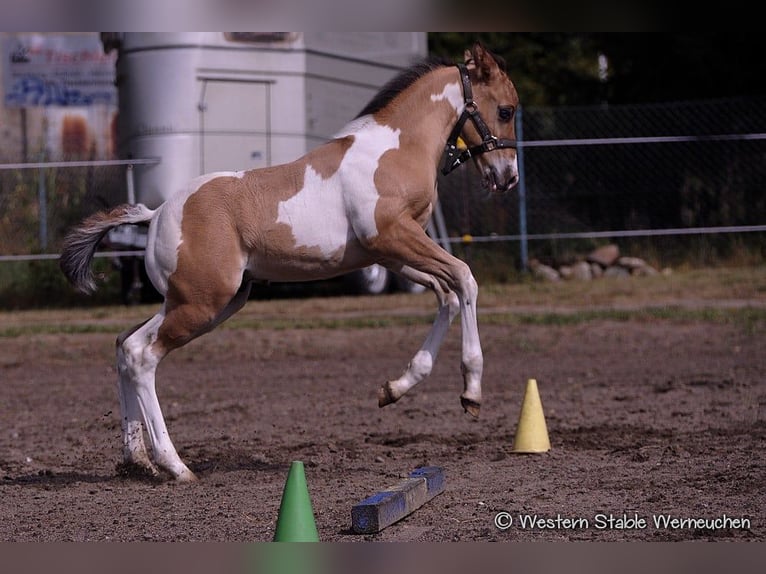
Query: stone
[[631, 262], [548, 273], [581, 271], [616, 271], [645, 271], [605, 255], [542, 271]]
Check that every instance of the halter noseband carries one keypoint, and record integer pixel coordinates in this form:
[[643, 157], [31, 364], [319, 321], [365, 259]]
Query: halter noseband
[[454, 157]]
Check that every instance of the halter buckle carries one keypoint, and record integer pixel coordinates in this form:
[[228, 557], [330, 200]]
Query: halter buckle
[[490, 144]]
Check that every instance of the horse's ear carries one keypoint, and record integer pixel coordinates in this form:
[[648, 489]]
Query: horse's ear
[[484, 61], [469, 61]]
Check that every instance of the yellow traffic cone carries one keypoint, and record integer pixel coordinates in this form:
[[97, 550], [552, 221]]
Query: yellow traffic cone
[[531, 432]]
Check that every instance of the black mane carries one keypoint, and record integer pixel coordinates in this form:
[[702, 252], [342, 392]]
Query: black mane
[[401, 82]]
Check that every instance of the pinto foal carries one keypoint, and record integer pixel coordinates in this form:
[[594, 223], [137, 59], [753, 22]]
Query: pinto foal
[[362, 198]]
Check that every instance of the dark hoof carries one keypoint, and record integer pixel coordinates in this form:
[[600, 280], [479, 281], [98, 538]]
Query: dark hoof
[[471, 407], [385, 397]]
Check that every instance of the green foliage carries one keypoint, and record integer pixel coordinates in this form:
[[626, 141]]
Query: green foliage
[[547, 68], [562, 68], [26, 284], [71, 194]]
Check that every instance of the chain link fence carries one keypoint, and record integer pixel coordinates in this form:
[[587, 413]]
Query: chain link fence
[[672, 183], [39, 203], [681, 182]]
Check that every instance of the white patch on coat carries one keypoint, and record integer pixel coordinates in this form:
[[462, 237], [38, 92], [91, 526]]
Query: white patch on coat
[[315, 214], [326, 212], [452, 93]]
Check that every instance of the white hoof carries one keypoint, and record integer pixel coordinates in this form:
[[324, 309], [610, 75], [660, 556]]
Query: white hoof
[[186, 476]]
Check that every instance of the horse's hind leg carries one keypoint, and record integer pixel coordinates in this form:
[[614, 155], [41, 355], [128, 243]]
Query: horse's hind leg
[[137, 358], [133, 447], [421, 364], [140, 352]]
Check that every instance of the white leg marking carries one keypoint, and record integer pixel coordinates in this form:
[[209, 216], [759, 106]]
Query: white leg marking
[[463, 299], [137, 364], [422, 363], [133, 448], [472, 363]]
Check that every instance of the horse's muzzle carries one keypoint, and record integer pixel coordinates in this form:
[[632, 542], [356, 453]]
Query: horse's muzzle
[[496, 184]]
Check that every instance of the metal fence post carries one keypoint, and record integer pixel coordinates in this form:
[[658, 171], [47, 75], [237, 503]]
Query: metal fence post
[[131, 184], [42, 201], [524, 252]]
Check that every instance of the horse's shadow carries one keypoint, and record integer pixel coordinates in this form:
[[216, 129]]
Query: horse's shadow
[[128, 473], [50, 478]]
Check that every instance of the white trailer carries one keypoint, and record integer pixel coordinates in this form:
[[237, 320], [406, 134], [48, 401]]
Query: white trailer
[[209, 101], [198, 102]]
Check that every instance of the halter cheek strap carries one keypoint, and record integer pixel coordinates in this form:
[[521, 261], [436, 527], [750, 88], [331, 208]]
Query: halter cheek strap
[[454, 156]]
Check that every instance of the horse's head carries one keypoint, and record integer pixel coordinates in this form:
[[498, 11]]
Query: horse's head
[[496, 100]]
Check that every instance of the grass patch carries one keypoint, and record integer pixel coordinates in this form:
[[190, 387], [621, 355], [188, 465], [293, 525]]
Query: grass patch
[[283, 324], [721, 296], [750, 319], [55, 329]]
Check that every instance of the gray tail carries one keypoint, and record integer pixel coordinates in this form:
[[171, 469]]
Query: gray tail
[[80, 245]]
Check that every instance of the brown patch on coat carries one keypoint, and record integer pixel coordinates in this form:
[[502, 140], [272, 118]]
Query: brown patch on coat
[[327, 163], [412, 196], [225, 221]]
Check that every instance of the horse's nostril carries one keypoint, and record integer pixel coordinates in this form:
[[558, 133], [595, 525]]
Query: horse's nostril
[[511, 178]]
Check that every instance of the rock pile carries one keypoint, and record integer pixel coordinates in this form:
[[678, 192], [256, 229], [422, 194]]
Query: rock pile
[[602, 262]]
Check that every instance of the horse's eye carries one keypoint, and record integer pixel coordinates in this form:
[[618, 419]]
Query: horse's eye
[[505, 113]]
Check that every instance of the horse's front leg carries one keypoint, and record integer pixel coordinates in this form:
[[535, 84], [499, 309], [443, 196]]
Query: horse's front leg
[[411, 247], [472, 363], [421, 364]]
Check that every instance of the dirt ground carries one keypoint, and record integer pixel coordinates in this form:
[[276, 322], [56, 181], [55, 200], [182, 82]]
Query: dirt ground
[[650, 417]]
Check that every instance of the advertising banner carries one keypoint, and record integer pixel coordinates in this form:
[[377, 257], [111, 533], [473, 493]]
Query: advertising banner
[[44, 70]]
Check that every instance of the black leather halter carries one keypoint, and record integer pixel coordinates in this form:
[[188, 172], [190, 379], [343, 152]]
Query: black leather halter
[[454, 157]]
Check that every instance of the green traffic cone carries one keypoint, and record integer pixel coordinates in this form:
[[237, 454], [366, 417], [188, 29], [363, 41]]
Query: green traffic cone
[[296, 516]]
